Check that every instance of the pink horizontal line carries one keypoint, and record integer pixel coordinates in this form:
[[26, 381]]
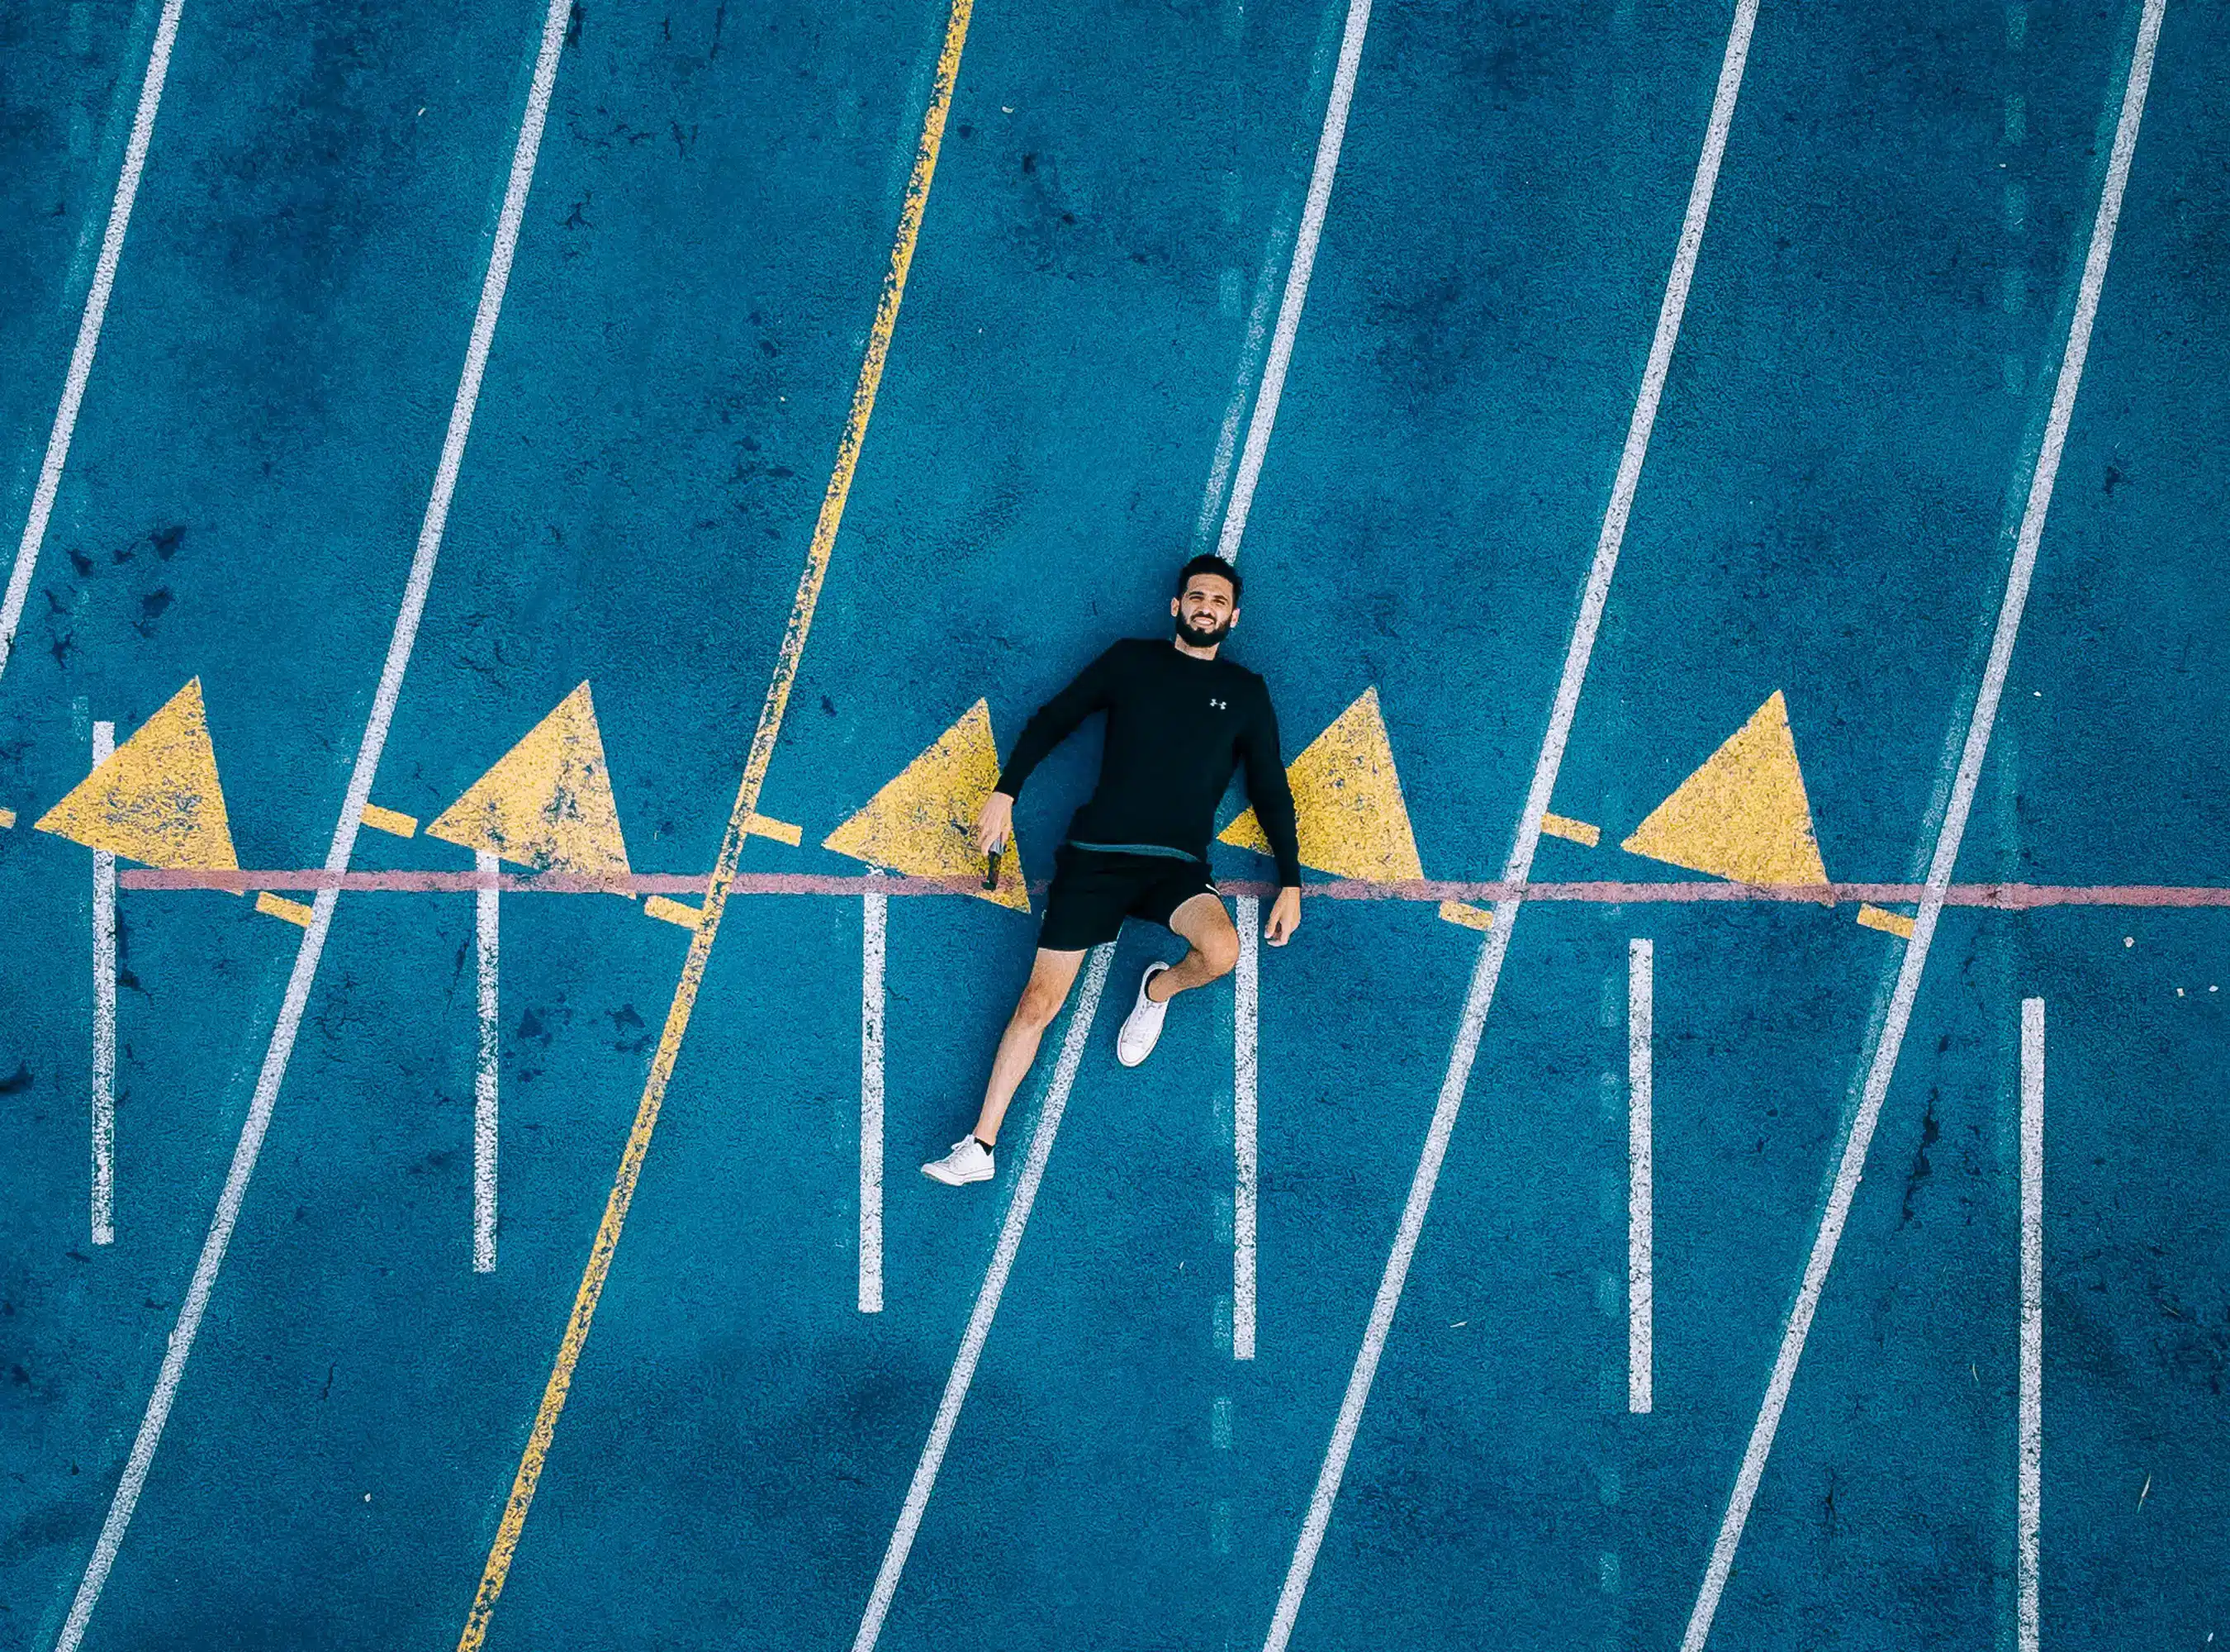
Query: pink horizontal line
[[2014, 897]]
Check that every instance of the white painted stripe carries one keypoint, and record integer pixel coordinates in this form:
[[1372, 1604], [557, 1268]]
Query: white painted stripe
[[987, 1300], [874, 927], [89, 328], [2030, 1495], [1246, 1020], [1892, 1039], [1640, 1196], [486, 1068], [250, 1144], [1297, 281], [104, 1020], [1258, 330], [1479, 996], [1243, 393]]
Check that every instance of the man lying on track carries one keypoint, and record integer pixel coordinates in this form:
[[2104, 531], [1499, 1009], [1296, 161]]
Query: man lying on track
[[1179, 721]]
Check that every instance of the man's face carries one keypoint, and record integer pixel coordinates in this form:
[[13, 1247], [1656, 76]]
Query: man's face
[[1205, 613]]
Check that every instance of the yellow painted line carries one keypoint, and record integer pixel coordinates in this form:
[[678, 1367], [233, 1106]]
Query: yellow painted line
[[1889, 923], [279, 906], [593, 1275], [390, 820], [1577, 831], [7, 819], [781, 831], [1456, 912], [674, 911]]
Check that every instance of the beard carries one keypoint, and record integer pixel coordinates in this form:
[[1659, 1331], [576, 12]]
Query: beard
[[1201, 637]]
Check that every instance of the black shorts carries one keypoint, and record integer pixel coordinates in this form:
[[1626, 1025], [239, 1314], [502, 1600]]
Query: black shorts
[[1094, 890]]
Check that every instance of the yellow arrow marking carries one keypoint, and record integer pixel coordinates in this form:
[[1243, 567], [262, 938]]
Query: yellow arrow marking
[[1744, 814], [923, 823], [547, 803], [157, 798]]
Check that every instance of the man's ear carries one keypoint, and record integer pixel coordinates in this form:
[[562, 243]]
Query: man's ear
[[1173, 608]]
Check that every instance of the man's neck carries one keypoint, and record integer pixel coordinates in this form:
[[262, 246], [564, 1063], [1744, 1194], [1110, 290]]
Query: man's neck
[[1185, 647]]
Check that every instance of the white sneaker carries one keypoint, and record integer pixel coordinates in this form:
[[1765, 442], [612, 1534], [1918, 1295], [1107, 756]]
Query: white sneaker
[[1141, 1027], [969, 1161]]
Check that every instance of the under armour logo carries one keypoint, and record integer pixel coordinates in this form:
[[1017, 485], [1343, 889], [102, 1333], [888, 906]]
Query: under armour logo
[[1219, 704]]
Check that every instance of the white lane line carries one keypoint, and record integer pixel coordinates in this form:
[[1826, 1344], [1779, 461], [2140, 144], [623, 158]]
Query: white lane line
[[89, 328], [1641, 1282], [987, 1300], [1297, 281], [2030, 1497], [1246, 1020], [874, 927], [104, 1020], [181, 1344], [1488, 970], [1250, 364], [486, 1068], [1892, 1039], [1258, 328]]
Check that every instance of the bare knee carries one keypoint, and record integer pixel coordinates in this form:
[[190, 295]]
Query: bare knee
[[1041, 1003], [1219, 951]]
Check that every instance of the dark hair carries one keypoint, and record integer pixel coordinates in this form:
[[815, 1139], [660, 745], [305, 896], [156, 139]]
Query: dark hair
[[1209, 563]]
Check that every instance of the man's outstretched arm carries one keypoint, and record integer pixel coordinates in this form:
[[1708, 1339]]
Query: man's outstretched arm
[[1272, 798], [1054, 722]]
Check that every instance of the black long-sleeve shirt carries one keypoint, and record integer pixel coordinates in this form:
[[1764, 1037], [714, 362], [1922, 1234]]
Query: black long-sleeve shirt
[[1177, 727]]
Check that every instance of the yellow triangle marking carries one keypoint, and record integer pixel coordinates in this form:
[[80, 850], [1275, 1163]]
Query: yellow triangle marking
[[923, 823], [157, 798], [1744, 814], [1352, 822], [547, 803]]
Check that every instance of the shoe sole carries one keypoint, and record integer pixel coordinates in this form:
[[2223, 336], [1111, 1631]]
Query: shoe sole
[[957, 1181]]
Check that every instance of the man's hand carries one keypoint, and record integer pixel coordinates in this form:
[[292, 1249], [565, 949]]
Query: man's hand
[[995, 823], [1285, 917]]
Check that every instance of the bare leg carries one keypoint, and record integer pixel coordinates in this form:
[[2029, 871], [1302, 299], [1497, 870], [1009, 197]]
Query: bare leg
[[1051, 977], [1203, 922]]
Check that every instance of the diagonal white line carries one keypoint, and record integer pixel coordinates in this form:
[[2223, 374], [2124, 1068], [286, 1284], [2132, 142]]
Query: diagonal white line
[[987, 1302], [1883, 1064], [1296, 283], [1485, 974], [89, 328], [1018, 1210], [359, 790], [1247, 380]]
